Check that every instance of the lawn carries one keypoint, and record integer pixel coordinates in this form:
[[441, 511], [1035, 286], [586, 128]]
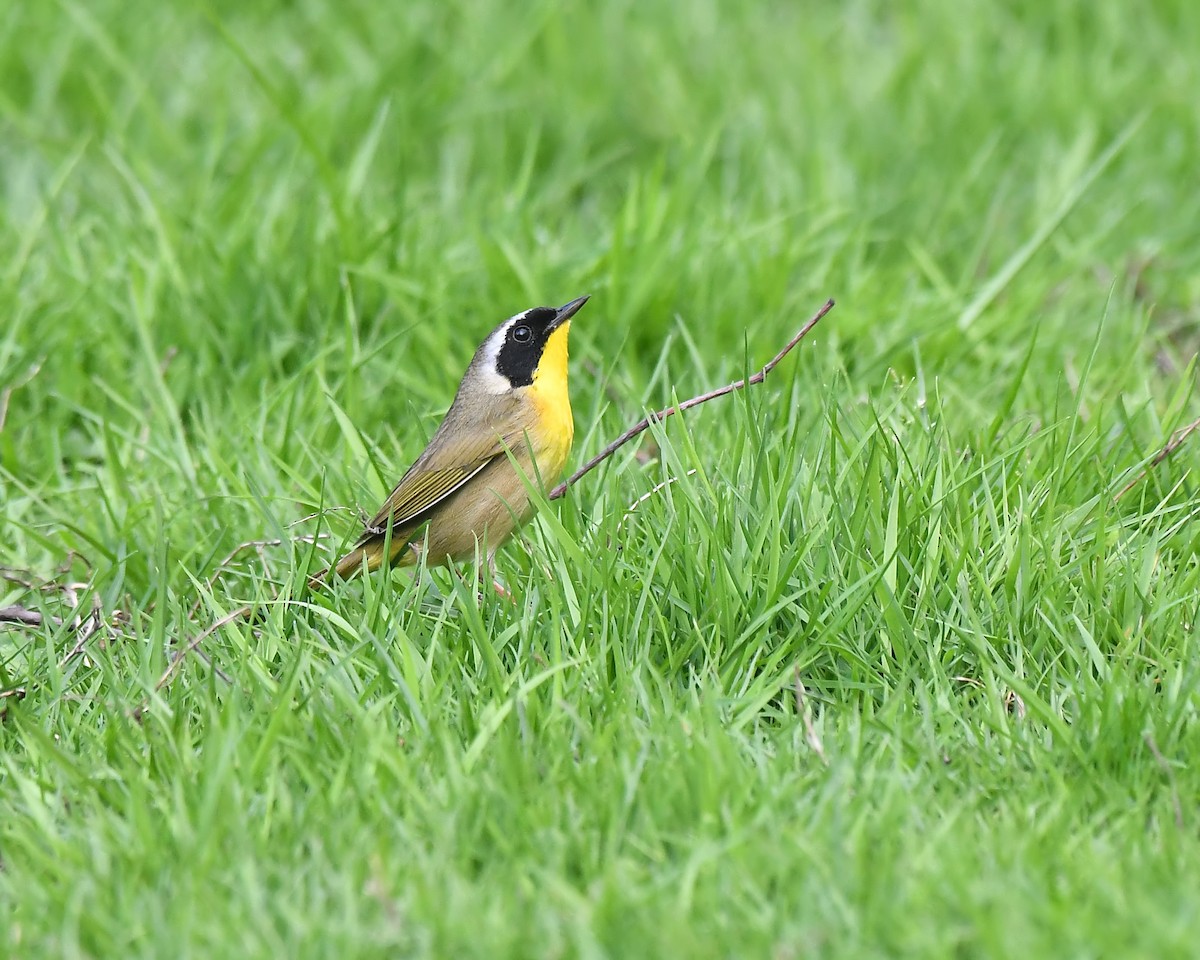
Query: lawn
[[896, 654]]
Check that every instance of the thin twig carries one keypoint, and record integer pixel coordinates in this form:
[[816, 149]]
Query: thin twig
[[810, 731], [30, 581], [208, 662], [319, 514], [242, 613], [85, 627], [13, 693], [642, 425], [1165, 766], [630, 510], [24, 617], [20, 577], [258, 545], [1176, 441]]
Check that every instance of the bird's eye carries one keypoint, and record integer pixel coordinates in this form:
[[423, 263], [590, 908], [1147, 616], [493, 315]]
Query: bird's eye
[[522, 334]]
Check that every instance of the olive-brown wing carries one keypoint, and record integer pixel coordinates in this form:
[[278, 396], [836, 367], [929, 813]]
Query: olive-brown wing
[[421, 489]]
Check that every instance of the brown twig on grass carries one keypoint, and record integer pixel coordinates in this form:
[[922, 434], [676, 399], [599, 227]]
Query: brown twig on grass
[[22, 578], [1176, 441], [85, 627], [643, 425], [258, 545], [242, 613], [632, 508], [15, 694], [24, 617]]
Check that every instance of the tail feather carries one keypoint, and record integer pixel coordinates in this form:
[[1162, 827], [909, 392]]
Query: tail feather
[[370, 552]]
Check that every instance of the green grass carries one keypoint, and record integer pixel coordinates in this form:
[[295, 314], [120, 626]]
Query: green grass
[[249, 249]]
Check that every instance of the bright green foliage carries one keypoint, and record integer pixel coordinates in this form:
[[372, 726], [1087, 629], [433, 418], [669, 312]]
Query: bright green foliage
[[248, 251]]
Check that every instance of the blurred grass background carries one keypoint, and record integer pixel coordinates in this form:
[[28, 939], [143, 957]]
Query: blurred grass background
[[250, 248]]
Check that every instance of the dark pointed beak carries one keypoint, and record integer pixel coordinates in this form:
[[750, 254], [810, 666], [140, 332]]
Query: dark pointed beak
[[567, 311]]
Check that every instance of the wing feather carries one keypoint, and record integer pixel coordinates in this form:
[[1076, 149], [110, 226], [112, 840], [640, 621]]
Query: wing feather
[[418, 491], [447, 465]]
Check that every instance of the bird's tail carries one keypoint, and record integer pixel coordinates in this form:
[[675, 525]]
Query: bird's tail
[[370, 552]]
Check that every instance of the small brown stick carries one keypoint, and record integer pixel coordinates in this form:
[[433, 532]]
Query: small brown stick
[[810, 731], [1176, 441], [1165, 767], [208, 661], [24, 617], [258, 545], [69, 561], [30, 581], [15, 694], [242, 613], [322, 513], [20, 577], [643, 425], [85, 627], [632, 508]]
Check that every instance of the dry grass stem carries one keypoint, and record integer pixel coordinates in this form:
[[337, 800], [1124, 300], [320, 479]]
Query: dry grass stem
[[642, 425]]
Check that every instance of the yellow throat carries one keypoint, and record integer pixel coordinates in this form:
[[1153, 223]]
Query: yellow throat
[[556, 426]]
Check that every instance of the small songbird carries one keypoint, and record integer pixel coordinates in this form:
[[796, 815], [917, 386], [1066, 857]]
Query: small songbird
[[465, 494]]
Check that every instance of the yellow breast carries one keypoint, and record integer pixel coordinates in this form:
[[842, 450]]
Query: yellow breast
[[548, 393]]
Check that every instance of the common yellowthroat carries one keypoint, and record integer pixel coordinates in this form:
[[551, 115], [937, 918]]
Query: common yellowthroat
[[464, 495]]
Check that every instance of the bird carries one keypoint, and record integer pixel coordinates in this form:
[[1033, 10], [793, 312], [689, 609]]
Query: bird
[[509, 424]]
